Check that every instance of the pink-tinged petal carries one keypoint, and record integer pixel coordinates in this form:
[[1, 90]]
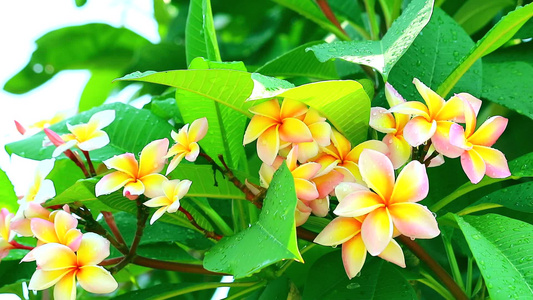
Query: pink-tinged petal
[[457, 137], [377, 171], [44, 231], [392, 95], [306, 171], [63, 222], [473, 165], [51, 257], [41, 279], [158, 214], [65, 288], [291, 160], [411, 108], [152, 159], [198, 129], [258, 125], [112, 182], [22, 227], [72, 239], [305, 190], [268, 145], [338, 231], [358, 203], [418, 130], [399, 149], [96, 279], [133, 188], [292, 108], [340, 143], [35, 210], [412, 184], [158, 201], [301, 214], [153, 185], [355, 153], [327, 162], [102, 118], [125, 163], [377, 231], [270, 109], [93, 249], [441, 140], [436, 161], [452, 110], [433, 100], [382, 120], [98, 140], [294, 131], [194, 151], [20, 128], [470, 118], [306, 151], [495, 162], [474, 102], [488, 133], [414, 220], [326, 183], [350, 171], [346, 188], [353, 255], [320, 206], [174, 162], [182, 188], [321, 133], [394, 254], [266, 172]]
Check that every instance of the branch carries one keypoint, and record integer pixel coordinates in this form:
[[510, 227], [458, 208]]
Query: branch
[[326, 9], [209, 234], [110, 220], [89, 162]]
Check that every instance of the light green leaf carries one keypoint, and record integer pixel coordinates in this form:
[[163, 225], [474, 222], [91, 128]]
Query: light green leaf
[[382, 55], [97, 88], [495, 38], [200, 35], [310, 10], [131, 130], [327, 280], [275, 232], [89, 46], [64, 174], [437, 50], [503, 253], [299, 62], [8, 197], [516, 197], [474, 14]]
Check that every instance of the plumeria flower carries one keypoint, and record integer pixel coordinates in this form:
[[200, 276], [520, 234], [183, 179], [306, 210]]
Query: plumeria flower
[[186, 143], [341, 157], [320, 131], [40, 125], [136, 177], [173, 191], [88, 136], [347, 231], [59, 265], [61, 229], [272, 124], [478, 158], [6, 234], [390, 204], [392, 124], [434, 120]]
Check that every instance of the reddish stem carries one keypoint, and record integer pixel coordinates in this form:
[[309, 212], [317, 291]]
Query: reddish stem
[[111, 261], [89, 162], [172, 266], [110, 220], [209, 234], [324, 6], [20, 246]]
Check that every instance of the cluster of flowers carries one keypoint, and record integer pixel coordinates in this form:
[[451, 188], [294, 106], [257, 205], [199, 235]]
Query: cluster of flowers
[[374, 206], [63, 253]]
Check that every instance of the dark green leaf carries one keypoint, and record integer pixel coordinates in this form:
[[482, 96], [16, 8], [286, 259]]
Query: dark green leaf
[[8, 197], [275, 232], [166, 291], [517, 197], [200, 35], [90, 46], [277, 289], [474, 14], [12, 271], [64, 174], [503, 252], [434, 54], [382, 55]]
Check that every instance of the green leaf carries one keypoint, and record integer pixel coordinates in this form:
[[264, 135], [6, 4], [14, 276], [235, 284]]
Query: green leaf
[[131, 130], [200, 35], [89, 46], [503, 253], [275, 232], [64, 174], [382, 55], [165, 107], [437, 50], [12, 271], [310, 10], [343, 102], [167, 291], [517, 197], [299, 62], [8, 197], [97, 88], [522, 166], [278, 288], [495, 38], [327, 280], [474, 14]]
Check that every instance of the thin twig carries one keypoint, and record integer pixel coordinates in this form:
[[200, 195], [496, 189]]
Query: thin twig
[[209, 234], [326, 9], [171, 266], [20, 246], [256, 200], [89, 162], [110, 220]]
